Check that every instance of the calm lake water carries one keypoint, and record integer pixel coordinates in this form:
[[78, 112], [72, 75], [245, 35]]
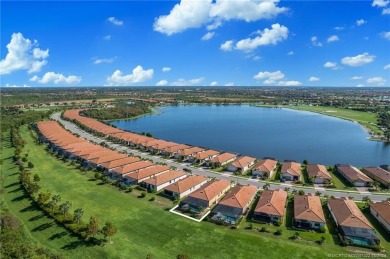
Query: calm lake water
[[264, 132]]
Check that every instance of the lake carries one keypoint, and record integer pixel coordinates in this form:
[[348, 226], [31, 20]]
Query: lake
[[264, 132]]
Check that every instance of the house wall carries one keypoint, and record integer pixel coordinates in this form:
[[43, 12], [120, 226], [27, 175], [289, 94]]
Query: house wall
[[192, 189], [318, 180], [287, 177], [159, 187], [380, 219], [232, 168], [313, 224], [374, 177]]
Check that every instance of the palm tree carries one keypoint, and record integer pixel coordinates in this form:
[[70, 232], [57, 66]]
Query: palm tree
[[65, 207], [266, 186], [287, 189], [318, 193], [78, 214]]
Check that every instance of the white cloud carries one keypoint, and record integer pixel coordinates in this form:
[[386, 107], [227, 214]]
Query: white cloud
[[208, 36], [162, 83], [359, 60], [15, 86], [360, 22], [107, 37], [166, 69], [256, 58], [333, 38], [194, 14], [360, 85], [23, 54], [271, 36], [214, 83], [289, 83], [339, 28], [229, 84], [270, 77], [103, 60], [380, 3], [356, 78], [115, 21], [227, 46], [56, 78], [331, 65], [290, 53], [386, 35], [376, 80], [191, 82], [315, 42], [314, 79], [386, 11], [184, 15], [386, 67], [138, 75]]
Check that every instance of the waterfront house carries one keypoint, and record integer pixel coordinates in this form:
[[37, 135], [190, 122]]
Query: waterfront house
[[308, 213], [241, 164], [378, 174], [205, 156], [222, 159], [271, 206], [318, 174], [265, 168], [352, 224], [291, 171], [354, 176], [235, 204]]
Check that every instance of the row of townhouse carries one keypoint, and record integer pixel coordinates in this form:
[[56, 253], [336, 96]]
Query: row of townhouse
[[290, 170]]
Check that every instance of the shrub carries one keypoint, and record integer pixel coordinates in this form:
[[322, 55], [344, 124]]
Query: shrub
[[278, 223], [250, 226], [278, 232], [130, 189], [152, 198], [263, 229], [322, 229], [143, 194]]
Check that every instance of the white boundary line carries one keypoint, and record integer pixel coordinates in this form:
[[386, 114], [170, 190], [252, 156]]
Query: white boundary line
[[188, 217]]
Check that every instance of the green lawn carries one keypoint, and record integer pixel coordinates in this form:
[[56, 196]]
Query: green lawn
[[143, 226], [364, 118]]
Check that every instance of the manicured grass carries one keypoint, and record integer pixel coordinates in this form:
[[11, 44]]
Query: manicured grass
[[145, 226], [340, 182], [364, 118]]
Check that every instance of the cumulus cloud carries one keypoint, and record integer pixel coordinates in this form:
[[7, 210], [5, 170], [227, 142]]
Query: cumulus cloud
[[162, 83], [275, 78], [331, 65], [271, 36], [360, 22], [290, 53], [356, 78], [386, 35], [376, 80], [166, 69], [194, 14], [107, 37], [115, 21], [208, 36], [214, 83], [229, 84], [333, 38], [386, 67], [380, 3], [138, 75], [339, 28], [227, 46], [359, 60], [23, 54], [190, 82], [314, 79], [360, 85], [56, 78], [386, 11], [15, 86], [315, 42]]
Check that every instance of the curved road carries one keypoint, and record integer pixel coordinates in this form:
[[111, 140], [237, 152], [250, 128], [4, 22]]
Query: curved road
[[241, 180]]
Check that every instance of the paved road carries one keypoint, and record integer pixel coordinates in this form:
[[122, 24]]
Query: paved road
[[202, 171]]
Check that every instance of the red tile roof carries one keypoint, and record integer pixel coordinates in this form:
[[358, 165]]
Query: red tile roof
[[210, 190], [243, 161], [186, 183], [272, 202], [308, 207], [318, 171], [383, 209], [223, 158], [265, 165], [348, 214], [239, 196], [291, 168], [160, 179]]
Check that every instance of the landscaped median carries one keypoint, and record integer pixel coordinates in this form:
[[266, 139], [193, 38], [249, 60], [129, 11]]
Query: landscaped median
[[144, 226]]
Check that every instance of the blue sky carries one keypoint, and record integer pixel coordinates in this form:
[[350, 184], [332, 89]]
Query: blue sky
[[202, 42]]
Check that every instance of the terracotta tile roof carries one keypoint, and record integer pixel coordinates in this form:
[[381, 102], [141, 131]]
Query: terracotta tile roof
[[239, 196], [108, 158], [348, 214], [383, 209], [96, 154], [173, 149], [353, 173], [223, 158], [206, 154], [147, 172], [210, 190], [265, 165], [153, 142], [133, 166], [186, 183], [318, 171], [120, 162], [243, 161], [291, 168], [272, 202], [190, 151], [160, 179], [88, 150], [308, 207], [378, 172], [164, 144]]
